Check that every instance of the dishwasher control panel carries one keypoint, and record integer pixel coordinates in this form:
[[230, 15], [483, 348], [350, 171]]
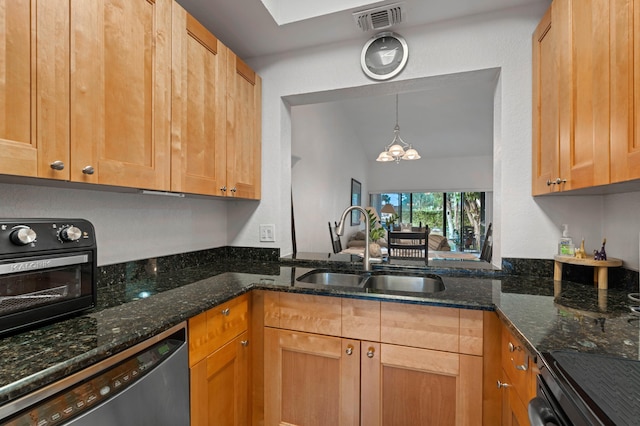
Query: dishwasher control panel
[[93, 391]]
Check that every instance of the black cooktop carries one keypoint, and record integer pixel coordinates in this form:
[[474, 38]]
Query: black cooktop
[[608, 385]]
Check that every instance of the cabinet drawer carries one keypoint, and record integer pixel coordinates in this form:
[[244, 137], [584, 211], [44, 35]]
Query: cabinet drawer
[[428, 327], [304, 312], [516, 363], [212, 329]]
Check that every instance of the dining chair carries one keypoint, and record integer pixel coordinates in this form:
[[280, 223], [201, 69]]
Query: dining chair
[[408, 244]]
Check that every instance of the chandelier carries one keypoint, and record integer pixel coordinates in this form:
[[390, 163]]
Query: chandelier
[[398, 149]]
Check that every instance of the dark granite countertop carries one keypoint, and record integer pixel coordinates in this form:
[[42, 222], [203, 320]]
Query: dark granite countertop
[[546, 315]]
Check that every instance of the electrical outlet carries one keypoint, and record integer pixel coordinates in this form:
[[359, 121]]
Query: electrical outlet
[[268, 233]]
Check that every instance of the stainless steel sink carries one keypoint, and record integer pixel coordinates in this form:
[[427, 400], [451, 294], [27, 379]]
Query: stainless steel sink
[[407, 283], [340, 279], [413, 283]]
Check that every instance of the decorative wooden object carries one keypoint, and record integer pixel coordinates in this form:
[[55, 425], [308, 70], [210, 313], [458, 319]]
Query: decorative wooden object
[[600, 278]]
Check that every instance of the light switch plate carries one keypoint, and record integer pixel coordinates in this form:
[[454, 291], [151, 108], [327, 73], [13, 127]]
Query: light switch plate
[[267, 233]]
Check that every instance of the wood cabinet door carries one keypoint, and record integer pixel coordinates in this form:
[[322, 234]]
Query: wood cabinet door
[[244, 130], [34, 87], [220, 391], [514, 410], [413, 386], [198, 113], [311, 380], [583, 40], [120, 92], [625, 90], [546, 151]]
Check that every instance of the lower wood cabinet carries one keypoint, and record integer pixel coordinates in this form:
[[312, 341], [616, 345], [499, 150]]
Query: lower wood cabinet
[[517, 381], [219, 361], [514, 410], [318, 372], [220, 386], [311, 379], [413, 386]]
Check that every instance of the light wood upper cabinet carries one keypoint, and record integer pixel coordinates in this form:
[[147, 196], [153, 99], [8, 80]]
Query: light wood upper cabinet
[[625, 90], [126, 93], [198, 117], [585, 90], [583, 41], [120, 92], [244, 130], [34, 87], [546, 148]]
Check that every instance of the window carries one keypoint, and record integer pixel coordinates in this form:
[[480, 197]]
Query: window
[[460, 216]]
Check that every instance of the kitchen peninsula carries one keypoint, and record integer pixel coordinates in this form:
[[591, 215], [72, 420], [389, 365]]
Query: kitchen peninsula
[[543, 314]]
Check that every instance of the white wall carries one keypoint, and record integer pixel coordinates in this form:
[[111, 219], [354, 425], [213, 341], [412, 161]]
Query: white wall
[[433, 175], [129, 226], [524, 227], [324, 161]]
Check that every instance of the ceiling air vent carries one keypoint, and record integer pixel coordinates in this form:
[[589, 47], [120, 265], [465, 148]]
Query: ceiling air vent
[[380, 17]]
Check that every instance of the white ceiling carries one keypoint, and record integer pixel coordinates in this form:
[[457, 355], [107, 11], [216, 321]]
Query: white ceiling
[[442, 118]]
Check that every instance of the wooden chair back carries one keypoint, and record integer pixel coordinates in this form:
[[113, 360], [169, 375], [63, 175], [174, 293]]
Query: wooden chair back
[[408, 245], [487, 246], [336, 243]]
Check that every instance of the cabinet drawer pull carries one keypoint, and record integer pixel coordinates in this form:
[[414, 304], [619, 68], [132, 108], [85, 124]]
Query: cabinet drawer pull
[[57, 165], [557, 181], [244, 343], [521, 367], [503, 385], [226, 312], [370, 352], [349, 350]]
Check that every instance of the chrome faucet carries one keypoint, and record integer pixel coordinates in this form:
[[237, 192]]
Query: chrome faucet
[[367, 241]]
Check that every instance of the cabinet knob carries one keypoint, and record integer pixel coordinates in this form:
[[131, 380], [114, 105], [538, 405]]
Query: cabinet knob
[[233, 190], [225, 312], [549, 182], [223, 189], [57, 165], [513, 348], [349, 350], [559, 181], [244, 343], [503, 385], [371, 352], [88, 170]]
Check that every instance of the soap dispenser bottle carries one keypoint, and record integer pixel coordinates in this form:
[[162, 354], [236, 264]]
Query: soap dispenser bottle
[[566, 247]]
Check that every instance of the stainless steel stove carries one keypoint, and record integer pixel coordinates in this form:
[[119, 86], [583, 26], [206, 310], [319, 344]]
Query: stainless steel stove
[[577, 388]]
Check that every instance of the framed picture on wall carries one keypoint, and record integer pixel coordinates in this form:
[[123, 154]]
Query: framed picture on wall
[[356, 200]]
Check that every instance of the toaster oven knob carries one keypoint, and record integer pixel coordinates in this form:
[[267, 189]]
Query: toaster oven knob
[[70, 233], [22, 236]]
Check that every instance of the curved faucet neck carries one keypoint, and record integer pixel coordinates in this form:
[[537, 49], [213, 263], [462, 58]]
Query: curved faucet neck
[[367, 228]]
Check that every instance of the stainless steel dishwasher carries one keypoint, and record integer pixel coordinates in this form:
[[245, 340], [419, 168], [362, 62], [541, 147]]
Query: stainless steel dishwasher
[[147, 384]]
